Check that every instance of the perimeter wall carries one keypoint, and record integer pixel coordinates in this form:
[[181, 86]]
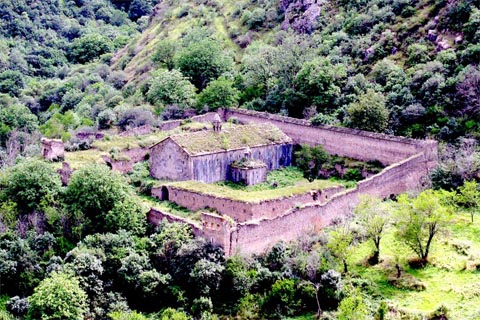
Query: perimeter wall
[[357, 144]]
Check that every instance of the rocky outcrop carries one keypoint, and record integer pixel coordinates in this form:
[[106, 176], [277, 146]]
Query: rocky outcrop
[[301, 15]]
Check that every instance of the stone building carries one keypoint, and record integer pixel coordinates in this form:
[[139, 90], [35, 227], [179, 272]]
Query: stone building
[[53, 149], [207, 156]]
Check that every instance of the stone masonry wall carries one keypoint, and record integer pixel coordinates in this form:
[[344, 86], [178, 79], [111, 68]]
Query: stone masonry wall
[[156, 216], [242, 211], [215, 167], [258, 236], [357, 144]]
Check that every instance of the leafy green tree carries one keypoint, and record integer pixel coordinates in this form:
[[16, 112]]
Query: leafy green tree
[[319, 81], [171, 88], [139, 8], [172, 314], [340, 241], [90, 47], [11, 82], [372, 215], [16, 117], [165, 53], [419, 220], [310, 160], [369, 112], [283, 298], [207, 276], [352, 307], [104, 199], [469, 197], [58, 297], [203, 61], [417, 53], [32, 184], [219, 93]]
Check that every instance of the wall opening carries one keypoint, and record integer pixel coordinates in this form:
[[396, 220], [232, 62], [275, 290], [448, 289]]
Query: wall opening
[[164, 194]]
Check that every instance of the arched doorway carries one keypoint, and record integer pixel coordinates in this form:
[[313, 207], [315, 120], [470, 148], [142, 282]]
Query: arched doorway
[[164, 194]]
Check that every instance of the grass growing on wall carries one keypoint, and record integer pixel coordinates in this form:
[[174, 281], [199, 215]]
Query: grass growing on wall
[[172, 208], [290, 182]]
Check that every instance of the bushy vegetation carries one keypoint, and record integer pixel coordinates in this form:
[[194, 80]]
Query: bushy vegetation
[[85, 251]]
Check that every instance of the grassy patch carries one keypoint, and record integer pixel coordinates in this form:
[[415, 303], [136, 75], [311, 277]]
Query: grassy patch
[[446, 280], [79, 159], [290, 182], [172, 208]]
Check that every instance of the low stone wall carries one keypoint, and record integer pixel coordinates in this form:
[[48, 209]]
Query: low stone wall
[[156, 216], [398, 178], [138, 131], [172, 124], [357, 144], [242, 211], [131, 156]]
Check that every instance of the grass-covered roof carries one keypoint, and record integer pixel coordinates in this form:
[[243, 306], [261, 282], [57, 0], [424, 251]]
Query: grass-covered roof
[[230, 138]]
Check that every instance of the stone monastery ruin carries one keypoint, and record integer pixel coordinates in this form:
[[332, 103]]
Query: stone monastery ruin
[[265, 142], [207, 155], [243, 146]]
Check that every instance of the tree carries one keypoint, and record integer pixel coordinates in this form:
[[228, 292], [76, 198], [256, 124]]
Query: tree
[[339, 243], [310, 160], [372, 214], [419, 220], [352, 306], [369, 112], [58, 297], [203, 61], [171, 87], [319, 81], [31, 184], [165, 53], [139, 8], [469, 196], [219, 93], [104, 199], [17, 117], [11, 82], [90, 47]]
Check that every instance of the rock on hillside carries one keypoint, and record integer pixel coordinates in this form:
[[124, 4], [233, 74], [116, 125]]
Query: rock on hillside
[[301, 15]]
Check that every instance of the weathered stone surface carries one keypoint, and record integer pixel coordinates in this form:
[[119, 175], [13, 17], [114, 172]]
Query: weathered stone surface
[[301, 15], [53, 149]]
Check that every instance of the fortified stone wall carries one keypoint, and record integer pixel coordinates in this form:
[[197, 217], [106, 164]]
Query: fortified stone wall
[[172, 124], [215, 167], [357, 144], [242, 211], [257, 237], [156, 216]]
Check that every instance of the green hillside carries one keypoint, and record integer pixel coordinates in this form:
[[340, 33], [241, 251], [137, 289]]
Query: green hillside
[[74, 69]]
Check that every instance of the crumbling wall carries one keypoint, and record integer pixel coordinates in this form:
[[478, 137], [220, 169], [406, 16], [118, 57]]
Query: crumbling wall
[[254, 237], [357, 144], [126, 160], [156, 216], [53, 149], [242, 211]]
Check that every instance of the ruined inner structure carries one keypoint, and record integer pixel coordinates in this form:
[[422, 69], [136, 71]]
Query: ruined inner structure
[[253, 226], [207, 156]]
